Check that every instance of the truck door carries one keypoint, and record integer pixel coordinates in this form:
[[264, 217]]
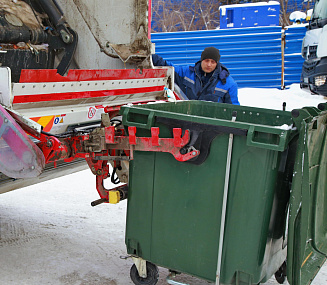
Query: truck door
[[307, 227]]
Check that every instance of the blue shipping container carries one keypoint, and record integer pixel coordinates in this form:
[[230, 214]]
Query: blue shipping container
[[249, 15]]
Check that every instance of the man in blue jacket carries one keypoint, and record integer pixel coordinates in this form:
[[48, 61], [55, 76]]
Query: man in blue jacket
[[207, 80]]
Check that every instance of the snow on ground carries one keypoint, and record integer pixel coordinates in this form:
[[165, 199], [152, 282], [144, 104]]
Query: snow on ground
[[271, 98], [49, 233]]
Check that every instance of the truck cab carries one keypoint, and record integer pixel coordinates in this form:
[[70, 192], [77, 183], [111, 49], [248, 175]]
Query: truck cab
[[314, 51]]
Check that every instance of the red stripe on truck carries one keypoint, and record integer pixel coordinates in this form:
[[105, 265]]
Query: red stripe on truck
[[51, 75], [82, 95]]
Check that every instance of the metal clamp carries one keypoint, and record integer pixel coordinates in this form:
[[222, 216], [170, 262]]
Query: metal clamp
[[153, 143]]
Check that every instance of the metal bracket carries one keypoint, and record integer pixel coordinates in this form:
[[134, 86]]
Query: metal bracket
[[140, 265], [153, 143]]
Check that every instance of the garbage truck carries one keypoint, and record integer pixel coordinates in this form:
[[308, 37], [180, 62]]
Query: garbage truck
[[63, 62], [230, 194], [314, 51]]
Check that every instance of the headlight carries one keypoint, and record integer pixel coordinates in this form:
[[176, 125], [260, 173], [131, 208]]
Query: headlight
[[320, 80]]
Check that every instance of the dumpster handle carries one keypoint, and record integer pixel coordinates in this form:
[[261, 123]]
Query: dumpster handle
[[224, 205], [147, 125], [280, 134]]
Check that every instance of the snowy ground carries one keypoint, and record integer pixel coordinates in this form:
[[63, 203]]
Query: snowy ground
[[49, 233]]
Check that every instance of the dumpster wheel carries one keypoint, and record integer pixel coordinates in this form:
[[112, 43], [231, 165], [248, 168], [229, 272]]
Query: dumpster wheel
[[280, 274], [152, 275]]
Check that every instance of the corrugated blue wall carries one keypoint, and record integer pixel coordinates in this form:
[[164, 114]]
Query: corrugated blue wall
[[253, 55], [293, 58]]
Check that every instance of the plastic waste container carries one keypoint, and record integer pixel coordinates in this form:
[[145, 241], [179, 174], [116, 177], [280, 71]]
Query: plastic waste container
[[222, 215]]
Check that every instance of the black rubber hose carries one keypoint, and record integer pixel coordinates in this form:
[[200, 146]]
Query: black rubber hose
[[114, 180]]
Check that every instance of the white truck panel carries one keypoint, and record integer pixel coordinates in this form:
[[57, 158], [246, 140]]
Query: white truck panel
[[101, 23], [322, 47]]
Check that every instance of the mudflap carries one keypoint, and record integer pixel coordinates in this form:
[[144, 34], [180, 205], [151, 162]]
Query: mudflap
[[19, 155]]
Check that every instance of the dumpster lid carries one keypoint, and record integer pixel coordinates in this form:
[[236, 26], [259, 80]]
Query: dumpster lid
[[307, 226]]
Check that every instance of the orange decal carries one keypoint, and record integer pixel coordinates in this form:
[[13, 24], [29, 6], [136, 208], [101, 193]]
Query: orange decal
[[46, 122]]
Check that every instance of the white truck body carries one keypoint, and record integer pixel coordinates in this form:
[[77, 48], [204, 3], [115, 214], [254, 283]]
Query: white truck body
[[102, 26], [110, 66], [314, 51]]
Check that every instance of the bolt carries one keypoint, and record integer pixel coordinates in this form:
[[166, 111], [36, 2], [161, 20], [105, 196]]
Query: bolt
[[65, 37], [194, 153]]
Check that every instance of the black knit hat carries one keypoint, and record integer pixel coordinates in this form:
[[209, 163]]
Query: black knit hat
[[211, 53]]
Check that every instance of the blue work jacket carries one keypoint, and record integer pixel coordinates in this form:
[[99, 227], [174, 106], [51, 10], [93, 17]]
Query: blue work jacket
[[220, 87]]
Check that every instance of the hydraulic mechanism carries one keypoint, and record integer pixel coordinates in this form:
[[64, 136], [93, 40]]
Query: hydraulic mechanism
[[98, 147]]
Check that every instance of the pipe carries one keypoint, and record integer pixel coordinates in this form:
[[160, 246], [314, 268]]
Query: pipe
[[224, 206]]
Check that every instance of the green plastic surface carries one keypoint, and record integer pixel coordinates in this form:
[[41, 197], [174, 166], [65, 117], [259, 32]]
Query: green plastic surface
[[307, 245]]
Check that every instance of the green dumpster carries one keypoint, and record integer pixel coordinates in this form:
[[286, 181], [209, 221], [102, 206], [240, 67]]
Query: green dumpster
[[221, 216]]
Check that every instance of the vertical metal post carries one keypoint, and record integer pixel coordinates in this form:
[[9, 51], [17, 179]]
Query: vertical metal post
[[223, 210], [283, 60], [149, 18]]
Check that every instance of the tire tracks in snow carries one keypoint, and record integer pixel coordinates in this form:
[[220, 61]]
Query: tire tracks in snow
[[13, 233]]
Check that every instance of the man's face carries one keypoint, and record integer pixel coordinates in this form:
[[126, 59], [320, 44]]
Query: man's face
[[208, 65]]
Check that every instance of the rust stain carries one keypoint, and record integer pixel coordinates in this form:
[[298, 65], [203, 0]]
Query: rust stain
[[306, 259]]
